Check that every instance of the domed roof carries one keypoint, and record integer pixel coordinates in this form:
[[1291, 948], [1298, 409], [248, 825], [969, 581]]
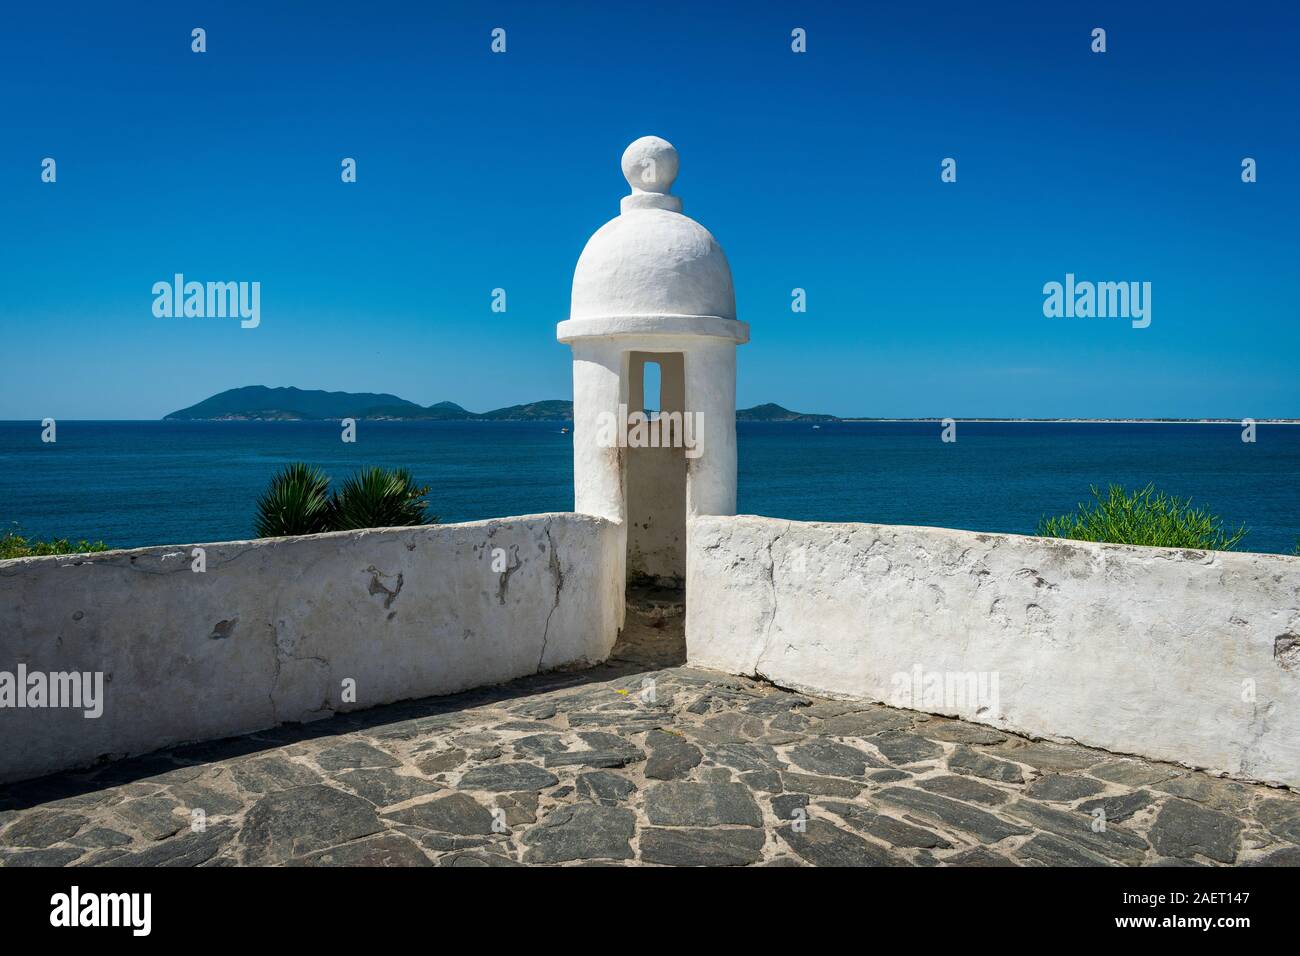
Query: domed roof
[[652, 268]]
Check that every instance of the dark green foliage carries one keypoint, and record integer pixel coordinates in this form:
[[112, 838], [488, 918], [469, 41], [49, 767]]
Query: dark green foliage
[[379, 498], [14, 545], [296, 502]]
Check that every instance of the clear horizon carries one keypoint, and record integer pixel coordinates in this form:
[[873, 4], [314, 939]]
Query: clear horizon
[[478, 171], [1212, 419]]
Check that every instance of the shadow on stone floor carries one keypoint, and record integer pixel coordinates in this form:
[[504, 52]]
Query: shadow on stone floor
[[639, 761], [653, 638]]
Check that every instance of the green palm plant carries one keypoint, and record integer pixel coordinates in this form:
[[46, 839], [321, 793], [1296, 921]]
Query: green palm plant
[[379, 498], [1146, 517], [296, 502]]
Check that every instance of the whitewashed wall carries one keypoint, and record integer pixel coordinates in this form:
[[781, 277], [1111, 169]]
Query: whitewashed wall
[[1186, 656], [272, 628]]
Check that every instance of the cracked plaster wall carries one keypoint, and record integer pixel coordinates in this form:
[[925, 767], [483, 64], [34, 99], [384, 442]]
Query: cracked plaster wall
[[269, 632], [1185, 656]]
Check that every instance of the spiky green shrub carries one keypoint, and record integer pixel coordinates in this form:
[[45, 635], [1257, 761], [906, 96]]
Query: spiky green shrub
[[379, 498], [1146, 517], [296, 502], [14, 545]]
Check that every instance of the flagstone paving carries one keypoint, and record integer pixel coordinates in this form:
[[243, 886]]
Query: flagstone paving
[[642, 761]]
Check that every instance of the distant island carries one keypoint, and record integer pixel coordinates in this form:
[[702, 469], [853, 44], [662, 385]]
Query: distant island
[[775, 413], [258, 403], [1088, 421]]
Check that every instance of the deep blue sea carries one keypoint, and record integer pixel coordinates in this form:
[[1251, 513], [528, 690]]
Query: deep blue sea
[[144, 483]]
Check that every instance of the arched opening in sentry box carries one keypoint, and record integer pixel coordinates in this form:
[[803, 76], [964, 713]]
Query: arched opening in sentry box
[[656, 469], [655, 483]]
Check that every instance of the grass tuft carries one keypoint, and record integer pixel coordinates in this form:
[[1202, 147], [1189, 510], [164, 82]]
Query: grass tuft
[[1145, 517]]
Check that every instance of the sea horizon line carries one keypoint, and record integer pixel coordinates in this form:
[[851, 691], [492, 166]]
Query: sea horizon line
[[830, 420]]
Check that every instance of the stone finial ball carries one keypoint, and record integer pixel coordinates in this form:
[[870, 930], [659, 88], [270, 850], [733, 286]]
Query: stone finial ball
[[650, 165]]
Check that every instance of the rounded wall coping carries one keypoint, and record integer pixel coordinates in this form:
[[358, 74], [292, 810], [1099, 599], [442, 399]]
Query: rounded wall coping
[[616, 326]]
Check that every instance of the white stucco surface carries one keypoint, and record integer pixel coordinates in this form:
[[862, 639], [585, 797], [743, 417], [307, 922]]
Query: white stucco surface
[[651, 260], [1186, 656], [652, 280], [269, 632], [711, 391]]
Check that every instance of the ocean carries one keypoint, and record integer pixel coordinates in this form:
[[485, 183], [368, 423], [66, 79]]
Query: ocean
[[148, 483]]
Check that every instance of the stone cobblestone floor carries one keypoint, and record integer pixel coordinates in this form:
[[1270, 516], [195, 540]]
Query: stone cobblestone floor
[[583, 767]]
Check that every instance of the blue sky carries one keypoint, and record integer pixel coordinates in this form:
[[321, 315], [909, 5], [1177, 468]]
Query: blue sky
[[819, 170]]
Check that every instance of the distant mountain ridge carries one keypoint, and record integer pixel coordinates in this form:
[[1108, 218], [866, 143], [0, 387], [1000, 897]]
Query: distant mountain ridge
[[260, 403], [771, 412]]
